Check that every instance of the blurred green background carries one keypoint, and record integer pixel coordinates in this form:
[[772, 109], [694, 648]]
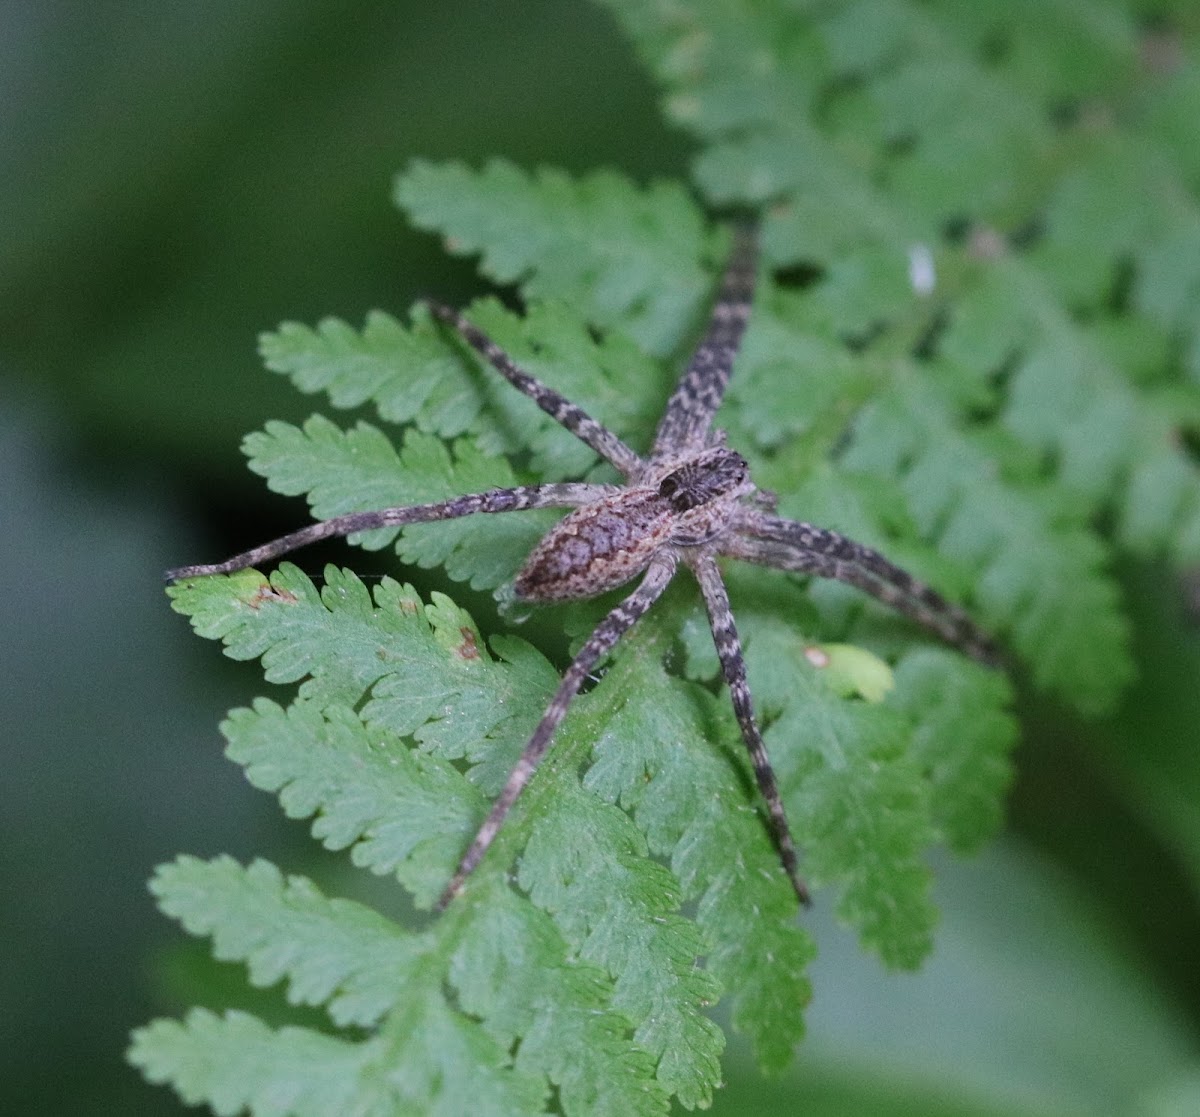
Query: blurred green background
[[176, 177]]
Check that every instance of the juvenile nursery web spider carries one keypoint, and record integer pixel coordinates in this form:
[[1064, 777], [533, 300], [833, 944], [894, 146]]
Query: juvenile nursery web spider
[[689, 501]]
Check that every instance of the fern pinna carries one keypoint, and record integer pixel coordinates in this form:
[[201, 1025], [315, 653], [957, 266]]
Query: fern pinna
[[977, 420]]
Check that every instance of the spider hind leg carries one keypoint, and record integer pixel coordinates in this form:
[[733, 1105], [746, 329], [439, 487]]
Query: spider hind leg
[[733, 666]]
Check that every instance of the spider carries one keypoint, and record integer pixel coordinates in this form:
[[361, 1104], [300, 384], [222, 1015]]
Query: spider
[[689, 501]]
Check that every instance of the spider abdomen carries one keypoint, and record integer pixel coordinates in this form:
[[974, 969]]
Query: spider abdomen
[[597, 547]]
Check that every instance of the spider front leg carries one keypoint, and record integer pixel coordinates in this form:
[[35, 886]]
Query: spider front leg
[[733, 666], [558, 407], [554, 495], [702, 386], [607, 633]]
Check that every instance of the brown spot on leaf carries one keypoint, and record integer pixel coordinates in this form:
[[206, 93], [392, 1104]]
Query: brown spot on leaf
[[270, 593], [469, 648]]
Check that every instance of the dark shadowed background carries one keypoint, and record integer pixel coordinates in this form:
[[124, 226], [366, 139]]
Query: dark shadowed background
[[176, 177]]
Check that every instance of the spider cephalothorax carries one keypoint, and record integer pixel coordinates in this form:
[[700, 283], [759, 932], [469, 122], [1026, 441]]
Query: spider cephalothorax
[[688, 501]]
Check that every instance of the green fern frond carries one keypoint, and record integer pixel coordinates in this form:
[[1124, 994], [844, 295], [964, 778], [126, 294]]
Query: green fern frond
[[872, 785], [983, 425], [426, 674], [510, 970], [412, 376], [335, 953], [1038, 571], [623, 256]]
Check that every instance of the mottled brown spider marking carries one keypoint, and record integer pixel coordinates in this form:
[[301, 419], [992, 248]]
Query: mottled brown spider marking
[[597, 547], [602, 545]]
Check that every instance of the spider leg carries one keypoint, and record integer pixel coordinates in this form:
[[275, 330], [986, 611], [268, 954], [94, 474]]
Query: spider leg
[[558, 407], [801, 547], [702, 386], [733, 666], [559, 495], [607, 633]]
